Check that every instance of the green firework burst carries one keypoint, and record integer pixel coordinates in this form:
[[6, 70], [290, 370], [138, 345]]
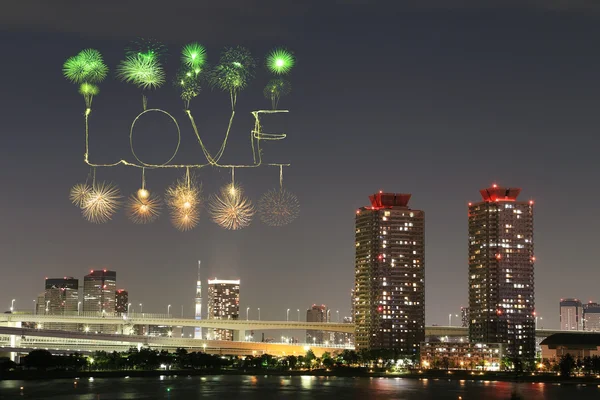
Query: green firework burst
[[147, 48], [87, 66], [193, 56], [188, 83], [144, 72], [280, 61], [275, 89], [88, 89], [234, 71]]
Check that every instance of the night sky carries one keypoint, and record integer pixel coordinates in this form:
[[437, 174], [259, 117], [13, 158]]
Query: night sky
[[434, 100]]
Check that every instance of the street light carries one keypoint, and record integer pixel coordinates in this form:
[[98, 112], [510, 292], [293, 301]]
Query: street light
[[12, 305], [34, 307], [259, 313], [298, 315], [47, 302], [247, 309], [78, 304], [168, 311], [141, 308], [287, 315], [128, 305], [338, 315]]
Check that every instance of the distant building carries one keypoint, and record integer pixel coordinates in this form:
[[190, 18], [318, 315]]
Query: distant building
[[578, 345], [571, 315], [40, 303], [99, 297], [317, 314], [223, 303], [501, 272], [457, 355], [464, 317], [121, 301], [389, 279], [99, 288], [61, 297], [591, 317]]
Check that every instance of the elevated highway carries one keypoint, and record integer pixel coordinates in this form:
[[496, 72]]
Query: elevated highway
[[238, 326]]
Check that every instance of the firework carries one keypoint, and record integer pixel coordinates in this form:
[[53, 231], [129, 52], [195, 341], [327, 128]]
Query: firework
[[188, 83], [193, 56], [79, 194], [234, 71], [143, 207], [102, 202], [143, 71], [275, 89], [278, 207], [231, 209], [184, 201], [87, 66], [147, 48], [280, 61]]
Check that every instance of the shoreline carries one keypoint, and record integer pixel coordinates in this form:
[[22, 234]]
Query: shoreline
[[338, 373]]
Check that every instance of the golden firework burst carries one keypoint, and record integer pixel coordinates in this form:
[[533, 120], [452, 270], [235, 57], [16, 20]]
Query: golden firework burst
[[185, 220], [184, 201], [79, 194], [278, 207], [143, 207], [231, 209], [102, 202]]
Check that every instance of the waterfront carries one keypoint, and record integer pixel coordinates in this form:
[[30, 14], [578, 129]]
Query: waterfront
[[301, 387]]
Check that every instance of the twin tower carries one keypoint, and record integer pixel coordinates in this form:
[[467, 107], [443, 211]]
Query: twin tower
[[389, 293]]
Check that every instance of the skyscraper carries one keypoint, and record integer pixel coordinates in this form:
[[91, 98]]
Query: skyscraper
[[198, 305], [591, 317], [501, 281], [61, 298], [121, 301], [61, 295], [316, 314], [99, 288], [223, 303], [571, 315], [389, 292]]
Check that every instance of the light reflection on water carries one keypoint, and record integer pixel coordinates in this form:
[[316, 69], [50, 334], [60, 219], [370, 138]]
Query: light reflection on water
[[303, 387]]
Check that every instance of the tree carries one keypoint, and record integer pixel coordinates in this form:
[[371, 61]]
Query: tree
[[39, 359], [566, 365], [327, 361], [6, 364]]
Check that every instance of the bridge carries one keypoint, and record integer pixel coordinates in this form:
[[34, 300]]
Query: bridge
[[23, 340], [239, 327]]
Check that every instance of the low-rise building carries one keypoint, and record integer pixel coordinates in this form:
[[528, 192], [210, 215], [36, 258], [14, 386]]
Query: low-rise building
[[457, 355], [578, 345]]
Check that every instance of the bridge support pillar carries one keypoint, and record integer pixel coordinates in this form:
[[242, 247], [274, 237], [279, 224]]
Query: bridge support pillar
[[239, 335], [13, 339]]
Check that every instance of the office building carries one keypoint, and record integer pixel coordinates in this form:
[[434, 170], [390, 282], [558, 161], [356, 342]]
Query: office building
[[389, 285], [99, 288], [223, 303], [464, 317], [317, 314], [501, 264], [121, 301], [591, 317], [61, 297], [571, 315]]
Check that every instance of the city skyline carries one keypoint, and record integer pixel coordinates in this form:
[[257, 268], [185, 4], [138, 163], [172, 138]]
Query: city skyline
[[459, 99]]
